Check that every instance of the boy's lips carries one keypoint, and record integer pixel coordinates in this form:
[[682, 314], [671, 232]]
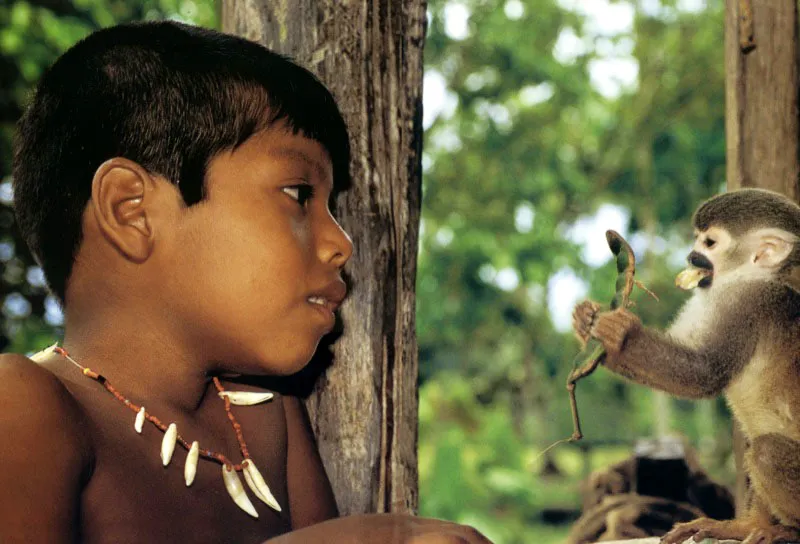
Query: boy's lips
[[329, 297]]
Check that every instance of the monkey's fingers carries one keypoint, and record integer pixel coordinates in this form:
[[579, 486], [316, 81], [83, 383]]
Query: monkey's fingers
[[611, 328], [760, 536], [583, 317], [684, 531], [735, 529], [582, 331], [585, 311]]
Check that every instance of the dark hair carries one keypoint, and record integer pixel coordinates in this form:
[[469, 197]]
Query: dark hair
[[744, 209], [165, 95]]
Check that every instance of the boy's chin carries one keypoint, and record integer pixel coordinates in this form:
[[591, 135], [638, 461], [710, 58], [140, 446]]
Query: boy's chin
[[269, 366], [263, 360], [286, 370]]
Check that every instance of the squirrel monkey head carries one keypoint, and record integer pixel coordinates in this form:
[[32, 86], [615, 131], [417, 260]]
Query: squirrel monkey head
[[747, 234]]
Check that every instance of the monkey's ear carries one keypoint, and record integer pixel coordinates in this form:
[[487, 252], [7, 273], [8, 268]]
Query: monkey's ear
[[774, 246]]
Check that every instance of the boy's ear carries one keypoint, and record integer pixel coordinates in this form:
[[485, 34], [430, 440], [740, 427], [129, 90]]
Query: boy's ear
[[121, 192]]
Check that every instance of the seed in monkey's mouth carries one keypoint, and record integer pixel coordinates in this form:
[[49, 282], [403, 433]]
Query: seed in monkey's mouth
[[691, 277]]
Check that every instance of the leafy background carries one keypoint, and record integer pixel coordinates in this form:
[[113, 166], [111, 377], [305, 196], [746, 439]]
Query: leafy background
[[547, 121]]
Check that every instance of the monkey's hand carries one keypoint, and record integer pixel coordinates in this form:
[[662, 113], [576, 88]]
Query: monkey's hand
[[612, 328], [748, 531], [583, 319]]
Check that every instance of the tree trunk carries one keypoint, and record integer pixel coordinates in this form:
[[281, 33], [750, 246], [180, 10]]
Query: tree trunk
[[761, 110], [364, 410], [761, 125]]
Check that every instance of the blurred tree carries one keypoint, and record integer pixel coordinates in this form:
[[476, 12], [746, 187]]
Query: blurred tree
[[531, 148], [534, 140]]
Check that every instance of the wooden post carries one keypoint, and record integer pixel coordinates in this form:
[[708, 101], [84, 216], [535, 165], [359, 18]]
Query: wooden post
[[364, 410], [761, 111]]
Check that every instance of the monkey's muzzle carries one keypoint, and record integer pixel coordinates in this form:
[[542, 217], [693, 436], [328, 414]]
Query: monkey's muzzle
[[691, 277]]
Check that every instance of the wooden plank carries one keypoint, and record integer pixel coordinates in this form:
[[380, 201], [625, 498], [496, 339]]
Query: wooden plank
[[364, 410]]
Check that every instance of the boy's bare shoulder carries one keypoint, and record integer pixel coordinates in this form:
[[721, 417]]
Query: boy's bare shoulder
[[30, 385], [41, 414], [45, 456], [39, 408]]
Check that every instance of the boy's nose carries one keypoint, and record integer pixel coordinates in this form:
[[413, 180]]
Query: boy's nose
[[337, 246]]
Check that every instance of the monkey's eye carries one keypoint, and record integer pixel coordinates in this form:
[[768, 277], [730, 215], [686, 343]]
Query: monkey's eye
[[709, 242]]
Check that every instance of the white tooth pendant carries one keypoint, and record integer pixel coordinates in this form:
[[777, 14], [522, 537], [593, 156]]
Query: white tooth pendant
[[168, 444], [137, 425], [190, 469], [245, 398], [260, 488], [236, 490], [44, 354]]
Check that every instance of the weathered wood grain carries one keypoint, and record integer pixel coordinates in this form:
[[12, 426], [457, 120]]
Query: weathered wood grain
[[364, 409], [761, 125], [761, 112]]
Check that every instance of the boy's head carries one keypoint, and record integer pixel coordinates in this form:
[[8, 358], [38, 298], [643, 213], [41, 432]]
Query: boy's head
[[167, 96]]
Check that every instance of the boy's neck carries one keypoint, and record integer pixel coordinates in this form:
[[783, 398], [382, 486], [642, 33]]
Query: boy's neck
[[142, 360]]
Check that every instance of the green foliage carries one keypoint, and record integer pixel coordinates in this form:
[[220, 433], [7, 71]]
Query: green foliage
[[477, 470], [474, 467], [532, 134], [657, 150]]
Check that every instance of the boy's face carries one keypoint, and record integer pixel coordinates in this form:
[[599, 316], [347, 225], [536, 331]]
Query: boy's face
[[257, 263]]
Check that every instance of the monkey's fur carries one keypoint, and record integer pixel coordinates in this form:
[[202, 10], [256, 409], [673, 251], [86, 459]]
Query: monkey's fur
[[738, 335]]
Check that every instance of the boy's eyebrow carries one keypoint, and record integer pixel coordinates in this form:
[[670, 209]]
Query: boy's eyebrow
[[297, 154]]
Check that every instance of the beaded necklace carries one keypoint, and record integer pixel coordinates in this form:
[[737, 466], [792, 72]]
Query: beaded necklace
[[230, 477]]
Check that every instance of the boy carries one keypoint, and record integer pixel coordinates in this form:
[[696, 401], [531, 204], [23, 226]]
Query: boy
[[173, 183]]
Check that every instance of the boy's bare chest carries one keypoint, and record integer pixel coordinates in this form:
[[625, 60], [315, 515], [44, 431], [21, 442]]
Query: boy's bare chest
[[132, 497]]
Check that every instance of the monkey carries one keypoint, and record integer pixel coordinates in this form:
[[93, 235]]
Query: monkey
[[737, 335]]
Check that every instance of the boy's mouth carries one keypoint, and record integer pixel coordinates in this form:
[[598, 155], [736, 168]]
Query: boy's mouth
[[324, 302], [331, 296]]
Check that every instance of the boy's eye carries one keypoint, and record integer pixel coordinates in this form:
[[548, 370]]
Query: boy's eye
[[301, 193]]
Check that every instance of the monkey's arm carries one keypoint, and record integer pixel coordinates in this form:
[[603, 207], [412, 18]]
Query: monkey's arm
[[656, 360]]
